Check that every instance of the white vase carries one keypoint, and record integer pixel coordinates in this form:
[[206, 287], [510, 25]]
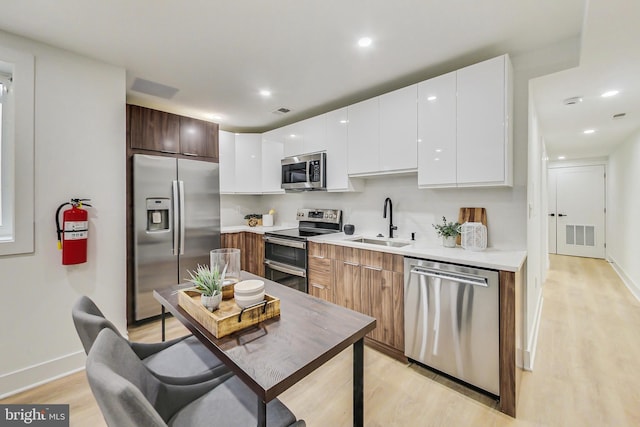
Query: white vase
[[449, 241], [211, 302]]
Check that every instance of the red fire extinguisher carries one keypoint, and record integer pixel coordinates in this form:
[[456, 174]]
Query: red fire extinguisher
[[72, 236]]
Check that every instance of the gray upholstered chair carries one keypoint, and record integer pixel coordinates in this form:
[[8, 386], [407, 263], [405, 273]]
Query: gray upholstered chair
[[180, 361], [129, 395]]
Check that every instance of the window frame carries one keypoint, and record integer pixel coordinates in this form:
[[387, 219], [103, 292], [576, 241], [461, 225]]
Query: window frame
[[18, 155]]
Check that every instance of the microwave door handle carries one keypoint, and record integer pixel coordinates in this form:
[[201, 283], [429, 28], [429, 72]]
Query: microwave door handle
[[308, 181]]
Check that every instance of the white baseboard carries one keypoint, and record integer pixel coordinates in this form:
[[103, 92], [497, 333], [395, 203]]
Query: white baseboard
[[530, 351], [35, 375], [633, 287]]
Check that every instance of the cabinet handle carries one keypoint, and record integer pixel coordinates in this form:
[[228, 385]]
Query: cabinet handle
[[355, 264], [191, 154], [317, 256], [318, 286], [368, 267], [168, 152]]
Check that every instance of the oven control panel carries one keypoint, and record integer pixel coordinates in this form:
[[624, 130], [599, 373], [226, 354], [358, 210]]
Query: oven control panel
[[320, 215]]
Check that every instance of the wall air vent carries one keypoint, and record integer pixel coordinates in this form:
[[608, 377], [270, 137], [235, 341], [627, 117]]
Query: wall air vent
[[619, 116], [572, 101], [153, 88], [282, 110]]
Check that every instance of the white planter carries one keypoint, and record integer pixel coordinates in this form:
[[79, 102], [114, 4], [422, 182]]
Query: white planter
[[449, 241], [211, 303]]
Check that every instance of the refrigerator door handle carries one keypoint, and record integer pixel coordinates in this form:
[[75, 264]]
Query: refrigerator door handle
[[176, 217], [182, 216]]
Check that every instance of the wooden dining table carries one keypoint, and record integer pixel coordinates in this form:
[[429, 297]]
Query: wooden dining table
[[277, 353]]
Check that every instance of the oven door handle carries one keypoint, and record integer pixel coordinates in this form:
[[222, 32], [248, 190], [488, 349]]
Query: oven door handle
[[284, 242], [285, 268]]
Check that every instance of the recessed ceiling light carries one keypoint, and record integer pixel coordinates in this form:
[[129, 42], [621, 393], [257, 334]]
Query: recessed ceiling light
[[609, 93], [561, 157], [364, 42], [344, 121], [293, 135], [438, 150], [432, 98], [589, 131], [266, 93]]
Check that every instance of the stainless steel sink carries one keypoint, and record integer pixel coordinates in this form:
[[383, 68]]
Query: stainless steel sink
[[380, 242]]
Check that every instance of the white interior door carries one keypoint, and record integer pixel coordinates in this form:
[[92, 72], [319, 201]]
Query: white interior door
[[580, 211], [552, 180]]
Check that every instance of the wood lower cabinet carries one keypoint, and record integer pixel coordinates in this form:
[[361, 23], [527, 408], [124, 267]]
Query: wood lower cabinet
[[253, 254], [369, 282], [251, 248], [320, 277]]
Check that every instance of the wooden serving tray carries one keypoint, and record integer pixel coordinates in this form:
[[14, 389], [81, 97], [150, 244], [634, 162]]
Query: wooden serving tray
[[228, 318]]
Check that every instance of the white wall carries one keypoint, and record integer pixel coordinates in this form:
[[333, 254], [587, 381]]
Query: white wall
[[535, 64], [623, 205], [79, 152]]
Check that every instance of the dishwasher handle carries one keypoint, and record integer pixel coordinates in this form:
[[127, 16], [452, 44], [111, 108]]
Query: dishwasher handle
[[440, 274]]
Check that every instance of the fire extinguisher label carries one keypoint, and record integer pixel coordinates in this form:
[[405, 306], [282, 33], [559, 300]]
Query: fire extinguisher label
[[76, 226], [76, 235]]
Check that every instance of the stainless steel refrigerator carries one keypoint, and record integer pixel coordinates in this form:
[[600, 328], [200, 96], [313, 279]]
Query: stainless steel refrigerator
[[176, 223]]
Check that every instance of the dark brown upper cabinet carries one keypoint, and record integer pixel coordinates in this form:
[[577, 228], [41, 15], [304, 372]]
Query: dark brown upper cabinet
[[154, 130], [198, 138], [169, 133]]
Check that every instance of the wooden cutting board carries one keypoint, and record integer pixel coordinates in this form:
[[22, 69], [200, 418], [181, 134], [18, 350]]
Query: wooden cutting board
[[472, 215]]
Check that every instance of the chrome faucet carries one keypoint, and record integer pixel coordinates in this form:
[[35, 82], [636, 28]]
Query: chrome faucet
[[392, 227]]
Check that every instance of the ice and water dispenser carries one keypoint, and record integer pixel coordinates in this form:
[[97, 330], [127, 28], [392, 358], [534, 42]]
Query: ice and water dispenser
[[158, 214]]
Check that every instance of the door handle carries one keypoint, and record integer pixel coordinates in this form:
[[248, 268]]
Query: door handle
[[562, 215], [552, 214]]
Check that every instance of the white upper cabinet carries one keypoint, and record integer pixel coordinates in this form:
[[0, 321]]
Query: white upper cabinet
[[437, 132], [484, 111], [227, 155], [293, 139], [337, 139], [248, 163], [272, 153], [313, 134], [364, 137], [464, 127], [398, 130]]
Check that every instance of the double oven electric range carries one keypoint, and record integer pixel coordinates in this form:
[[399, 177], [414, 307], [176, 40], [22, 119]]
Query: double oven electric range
[[285, 251]]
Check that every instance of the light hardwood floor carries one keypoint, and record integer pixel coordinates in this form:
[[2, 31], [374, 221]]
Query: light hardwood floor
[[586, 373]]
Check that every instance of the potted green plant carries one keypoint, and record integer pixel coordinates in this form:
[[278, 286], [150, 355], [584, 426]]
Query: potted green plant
[[448, 231], [209, 283]]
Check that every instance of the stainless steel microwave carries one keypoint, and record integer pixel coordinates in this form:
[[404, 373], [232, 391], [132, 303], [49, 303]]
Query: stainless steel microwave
[[305, 172]]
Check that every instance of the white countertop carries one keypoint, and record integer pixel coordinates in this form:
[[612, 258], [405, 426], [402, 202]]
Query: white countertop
[[496, 259], [258, 229], [493, 258]]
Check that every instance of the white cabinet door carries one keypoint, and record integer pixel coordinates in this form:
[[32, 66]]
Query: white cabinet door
[[437, 132], [313, 134], [293, 138], [481, 109], [272, 153], [227, 153], [337, 125], [249, 163], [364, 137], [398, 130]]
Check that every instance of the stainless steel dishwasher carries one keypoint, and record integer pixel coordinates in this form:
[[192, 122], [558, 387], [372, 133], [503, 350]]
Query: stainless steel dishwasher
[[451, 320]]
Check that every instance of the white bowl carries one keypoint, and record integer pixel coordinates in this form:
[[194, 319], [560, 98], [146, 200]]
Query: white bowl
[[245, 301], [249, 287]]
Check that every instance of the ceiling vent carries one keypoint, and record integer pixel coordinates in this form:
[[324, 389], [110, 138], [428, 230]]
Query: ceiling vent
[[572, 101], [619, 116], [282, 110], [153, 88]]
